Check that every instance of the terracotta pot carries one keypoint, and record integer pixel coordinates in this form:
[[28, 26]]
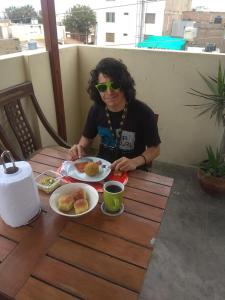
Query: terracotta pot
[[211, 184]]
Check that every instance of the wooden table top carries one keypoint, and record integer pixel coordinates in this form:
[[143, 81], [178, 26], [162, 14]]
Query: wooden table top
[[91, 257]]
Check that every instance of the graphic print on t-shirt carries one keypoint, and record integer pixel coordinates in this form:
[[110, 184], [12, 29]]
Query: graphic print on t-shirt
[[106, 136], [126, 142]]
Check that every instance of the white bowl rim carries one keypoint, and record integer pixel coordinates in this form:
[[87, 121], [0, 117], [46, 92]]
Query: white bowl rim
[[70, 186]]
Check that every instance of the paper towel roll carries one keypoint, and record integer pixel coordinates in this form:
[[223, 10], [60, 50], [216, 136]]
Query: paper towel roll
[[19, 200]]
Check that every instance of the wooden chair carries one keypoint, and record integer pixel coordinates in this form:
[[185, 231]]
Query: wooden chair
[[17, 133]]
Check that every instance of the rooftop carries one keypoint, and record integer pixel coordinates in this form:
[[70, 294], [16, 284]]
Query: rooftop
[[163, 42]]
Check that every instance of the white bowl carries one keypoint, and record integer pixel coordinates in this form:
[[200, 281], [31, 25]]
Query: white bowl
[[92, 197]]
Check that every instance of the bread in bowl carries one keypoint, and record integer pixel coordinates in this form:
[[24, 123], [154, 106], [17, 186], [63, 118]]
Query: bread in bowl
[[80, 206], [65, 202]]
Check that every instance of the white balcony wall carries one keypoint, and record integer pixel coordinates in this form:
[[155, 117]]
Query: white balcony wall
[[162, 81], [35, 66], [12, 70], [70, 64], [38, 68]]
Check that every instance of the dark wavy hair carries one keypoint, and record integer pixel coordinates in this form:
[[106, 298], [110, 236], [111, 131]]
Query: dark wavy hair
[[117, 71]]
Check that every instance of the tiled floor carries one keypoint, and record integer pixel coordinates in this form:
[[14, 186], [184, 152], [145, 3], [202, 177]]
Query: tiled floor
[[188, 261]]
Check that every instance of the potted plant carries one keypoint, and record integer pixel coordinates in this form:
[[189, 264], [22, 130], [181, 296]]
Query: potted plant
[[212, 171]]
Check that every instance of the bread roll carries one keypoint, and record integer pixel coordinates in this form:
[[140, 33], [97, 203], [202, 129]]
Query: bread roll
[[79, 194], [65, 203], [80, 166], [80, 206], [91, 169]]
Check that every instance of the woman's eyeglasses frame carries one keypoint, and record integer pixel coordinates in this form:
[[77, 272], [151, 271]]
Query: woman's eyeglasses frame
[[102, 87]]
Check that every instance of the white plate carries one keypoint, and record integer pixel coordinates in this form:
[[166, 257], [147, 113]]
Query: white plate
[[71, 170], [92, 197]]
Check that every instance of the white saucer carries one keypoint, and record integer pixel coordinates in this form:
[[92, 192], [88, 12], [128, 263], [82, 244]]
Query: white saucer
[[111, 214]]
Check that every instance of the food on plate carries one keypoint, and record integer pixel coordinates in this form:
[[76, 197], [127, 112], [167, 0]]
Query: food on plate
[[47, 181], [91, 169], [76, 201], [65, 202], [80, 166], [80, 206]]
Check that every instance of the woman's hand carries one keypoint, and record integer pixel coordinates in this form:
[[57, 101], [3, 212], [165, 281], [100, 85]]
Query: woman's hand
[[124, 164], [76, 151]]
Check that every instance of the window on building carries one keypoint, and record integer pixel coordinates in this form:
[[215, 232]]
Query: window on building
[[149, 18], [110, 17], [126, 14], [110, 37]]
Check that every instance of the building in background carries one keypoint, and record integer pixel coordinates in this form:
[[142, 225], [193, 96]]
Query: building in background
[[8, 44], [17, 36], [203, 30], [5, 32], [173, 12], [128, 23]]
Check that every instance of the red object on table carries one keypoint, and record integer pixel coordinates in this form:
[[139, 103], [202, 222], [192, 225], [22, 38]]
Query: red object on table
[[114, 175]]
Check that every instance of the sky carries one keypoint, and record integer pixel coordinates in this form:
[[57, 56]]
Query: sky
[[63, 5]]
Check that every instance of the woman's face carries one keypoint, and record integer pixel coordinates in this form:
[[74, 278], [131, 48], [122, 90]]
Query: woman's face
[[114, 99]]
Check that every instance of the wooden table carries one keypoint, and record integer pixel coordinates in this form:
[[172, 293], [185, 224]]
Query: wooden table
[[91, 257]]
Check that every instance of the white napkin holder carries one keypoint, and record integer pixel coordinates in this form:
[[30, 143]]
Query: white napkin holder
[[19, 198]]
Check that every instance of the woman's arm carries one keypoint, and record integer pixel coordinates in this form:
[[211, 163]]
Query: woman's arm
[[149, 155], [126, 164], [78, 150]]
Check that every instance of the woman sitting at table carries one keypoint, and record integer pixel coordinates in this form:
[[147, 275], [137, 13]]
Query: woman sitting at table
[[127, 127]]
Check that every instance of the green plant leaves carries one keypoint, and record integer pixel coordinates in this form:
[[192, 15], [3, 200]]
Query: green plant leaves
[[214, 165], [215, 104], [211, 86]]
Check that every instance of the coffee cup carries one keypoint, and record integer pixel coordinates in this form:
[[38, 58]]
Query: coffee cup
[[113, 196]]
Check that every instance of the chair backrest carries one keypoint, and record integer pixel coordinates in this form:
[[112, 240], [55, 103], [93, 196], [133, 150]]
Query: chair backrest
[[16, 133]]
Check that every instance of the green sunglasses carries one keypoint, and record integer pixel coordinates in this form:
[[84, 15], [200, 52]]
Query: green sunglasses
[[102, 87]]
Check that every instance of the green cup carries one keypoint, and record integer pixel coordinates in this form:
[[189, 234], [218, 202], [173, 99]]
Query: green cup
[[113, 196]]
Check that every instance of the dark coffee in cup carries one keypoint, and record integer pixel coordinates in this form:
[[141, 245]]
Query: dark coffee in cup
[[113, 196], [113, 188]]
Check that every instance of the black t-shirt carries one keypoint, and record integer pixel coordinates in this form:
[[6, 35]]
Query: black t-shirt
[[138, 132]]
